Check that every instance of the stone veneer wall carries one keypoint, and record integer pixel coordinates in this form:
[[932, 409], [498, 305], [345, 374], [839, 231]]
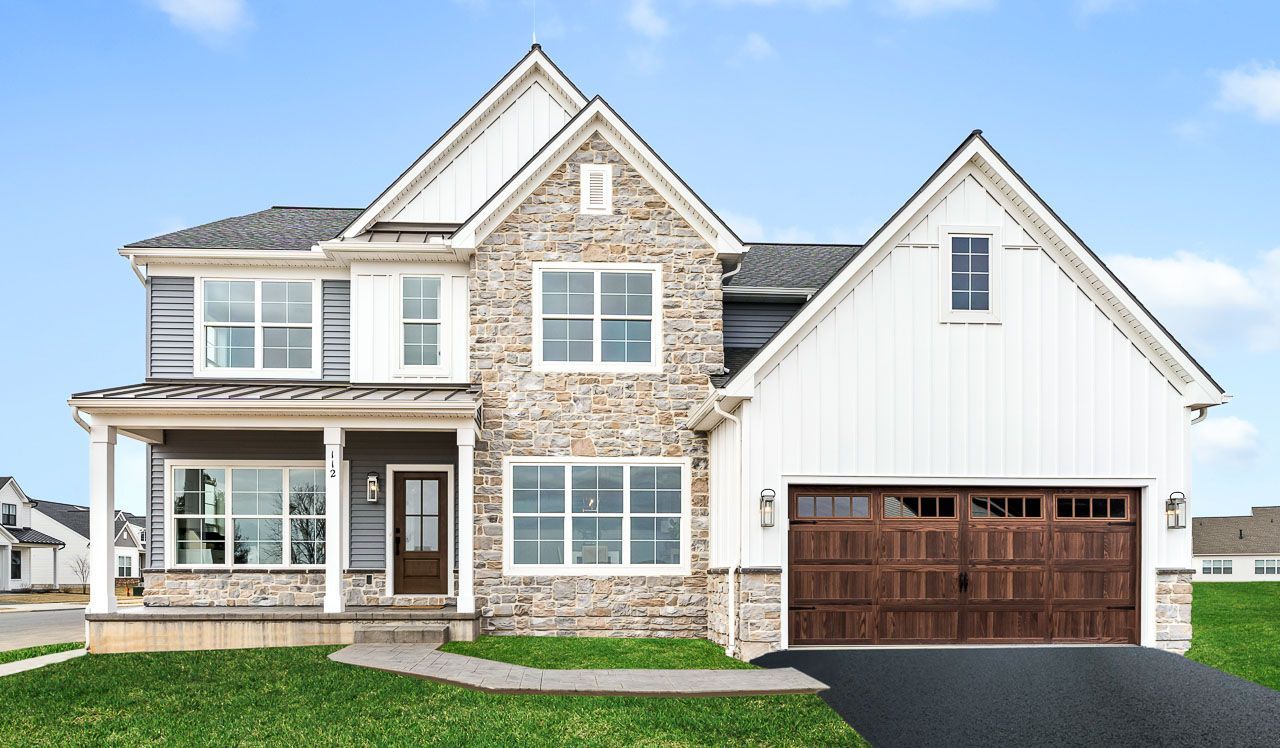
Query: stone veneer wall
[[759, 611], [607, 415], [269, 588], [1173, 609], [718, 606]]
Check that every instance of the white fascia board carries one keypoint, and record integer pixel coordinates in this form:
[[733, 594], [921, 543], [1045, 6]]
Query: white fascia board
[[765, 291], [534, 63], [105, 408], [705, 417], [227, 257], [345, 253], [8, 538], [599, 117]]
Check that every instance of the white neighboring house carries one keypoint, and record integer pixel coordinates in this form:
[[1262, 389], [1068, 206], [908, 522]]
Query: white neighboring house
[[70, 524], [1238, 549], [25, 552]]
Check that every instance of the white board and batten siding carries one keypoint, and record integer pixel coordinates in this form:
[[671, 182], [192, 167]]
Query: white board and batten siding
[[880, 388], [489, 159], [376, 345]]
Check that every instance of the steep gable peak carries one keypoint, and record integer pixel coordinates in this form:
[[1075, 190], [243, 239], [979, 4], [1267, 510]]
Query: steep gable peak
[[481, 151]]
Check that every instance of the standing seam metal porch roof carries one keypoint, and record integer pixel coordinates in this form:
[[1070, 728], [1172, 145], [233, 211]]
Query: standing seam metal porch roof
[[275, 391]]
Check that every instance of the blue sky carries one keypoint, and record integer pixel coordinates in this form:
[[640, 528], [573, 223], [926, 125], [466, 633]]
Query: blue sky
[[1153, 128]]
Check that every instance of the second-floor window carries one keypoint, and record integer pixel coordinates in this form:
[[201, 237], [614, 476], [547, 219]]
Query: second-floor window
[[124, 566], [420, 320], [597, 317], [259, 326], [9, 514]]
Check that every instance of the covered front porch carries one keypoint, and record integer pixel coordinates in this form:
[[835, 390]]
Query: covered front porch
[[285, 512]]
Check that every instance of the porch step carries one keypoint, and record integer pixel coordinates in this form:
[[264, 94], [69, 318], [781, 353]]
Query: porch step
[[401, 632]]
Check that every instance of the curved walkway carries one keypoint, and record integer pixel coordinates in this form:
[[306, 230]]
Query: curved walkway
[[426, 661]]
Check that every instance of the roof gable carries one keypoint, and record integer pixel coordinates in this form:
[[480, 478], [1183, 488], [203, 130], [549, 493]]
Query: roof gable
[[475, 156], [598, 118], [975, 156]]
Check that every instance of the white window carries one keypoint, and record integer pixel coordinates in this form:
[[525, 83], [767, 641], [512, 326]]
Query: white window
[[1266, 566], [124, 566], [597, 317], [1216, 566], [597, 189], [420, 320], [597, 516], [256, 327], [970, 260], [247, 515]]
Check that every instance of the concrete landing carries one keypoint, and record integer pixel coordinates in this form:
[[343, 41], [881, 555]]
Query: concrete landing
[[427, 661]]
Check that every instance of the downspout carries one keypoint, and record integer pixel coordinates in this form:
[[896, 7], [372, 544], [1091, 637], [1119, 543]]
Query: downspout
[[75, 416], [1204, 413], [133, 265], [736, 555]]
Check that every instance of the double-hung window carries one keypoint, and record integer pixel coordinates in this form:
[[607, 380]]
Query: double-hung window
[[597, 317], [1267, 566], [252, 326], [9, 514], [420, 320], [249, 516], [598, 516], [969, 257], [1216, 566], [124, 566]]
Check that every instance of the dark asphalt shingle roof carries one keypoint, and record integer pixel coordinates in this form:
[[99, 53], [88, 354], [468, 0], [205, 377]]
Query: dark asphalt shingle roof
[[1258, 533], [806, 266], [734, 359], [4, 480], [27, 535], [279, 227], [76, 517]]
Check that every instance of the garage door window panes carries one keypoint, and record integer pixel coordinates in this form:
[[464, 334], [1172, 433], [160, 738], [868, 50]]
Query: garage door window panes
[[833, 507], [919, 507], [1216, 566], [1006, 507], [1082, 506]]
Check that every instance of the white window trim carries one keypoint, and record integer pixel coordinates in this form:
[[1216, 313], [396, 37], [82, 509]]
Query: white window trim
[[510, 568], [128, 564], [994, 270], [1266, 563], [1224, 567], [200, 369], [441, 368], [586, 172], [596, 366], [170, 520]]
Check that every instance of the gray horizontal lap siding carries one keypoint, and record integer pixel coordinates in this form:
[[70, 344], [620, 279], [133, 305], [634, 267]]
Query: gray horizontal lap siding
[[170, 326], [335, 335], [365, 452], [750, 324]]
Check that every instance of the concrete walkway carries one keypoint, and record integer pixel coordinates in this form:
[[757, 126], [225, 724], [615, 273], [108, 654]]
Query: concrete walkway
[[426, 661], [32, 663]]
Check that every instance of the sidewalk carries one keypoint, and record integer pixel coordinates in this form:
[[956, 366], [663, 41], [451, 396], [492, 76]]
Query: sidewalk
[[128, 602]]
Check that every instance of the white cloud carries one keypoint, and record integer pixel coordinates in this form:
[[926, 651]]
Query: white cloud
[[754, 48], [1209, 302], [645, 59], [211, 19], [922, 8], [1225, 439], [644, 18], [1255, 88]]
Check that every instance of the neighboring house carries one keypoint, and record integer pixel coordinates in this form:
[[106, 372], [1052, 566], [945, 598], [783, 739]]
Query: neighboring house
[[538, 378], [71, 523], [1238, 549], [27, 555]]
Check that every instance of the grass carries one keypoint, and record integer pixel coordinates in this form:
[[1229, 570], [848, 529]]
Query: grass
[[596, 653], [27, 598], [299, 697], [13, 655], [1236, 628]]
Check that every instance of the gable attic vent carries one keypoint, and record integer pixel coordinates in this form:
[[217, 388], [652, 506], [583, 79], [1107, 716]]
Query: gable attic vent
[[597, 189]]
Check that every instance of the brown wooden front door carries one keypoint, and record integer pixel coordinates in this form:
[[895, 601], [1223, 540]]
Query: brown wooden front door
[[872, 565], [421, 533]]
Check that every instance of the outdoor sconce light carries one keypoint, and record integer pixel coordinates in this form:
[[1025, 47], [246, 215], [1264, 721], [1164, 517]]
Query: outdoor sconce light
[[766, 507], [1175, 510], [371, 488]]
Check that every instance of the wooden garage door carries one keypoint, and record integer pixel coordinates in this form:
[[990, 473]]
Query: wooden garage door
[[904, 565]]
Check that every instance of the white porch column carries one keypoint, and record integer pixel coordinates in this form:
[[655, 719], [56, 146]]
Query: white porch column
[[466, 521], [102, 519], [334, 441]]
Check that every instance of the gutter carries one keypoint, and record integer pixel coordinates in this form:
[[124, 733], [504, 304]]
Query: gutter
[[133, 265], [75, 416]]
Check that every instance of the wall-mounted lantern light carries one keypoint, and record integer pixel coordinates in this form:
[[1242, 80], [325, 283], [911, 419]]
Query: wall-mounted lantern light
[[371, 488], [766, 507], [1175, 510]]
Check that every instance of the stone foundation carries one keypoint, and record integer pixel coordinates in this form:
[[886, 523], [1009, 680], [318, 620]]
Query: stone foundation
[[271, 588], [759, 611], [581, 606], [1173, 609]]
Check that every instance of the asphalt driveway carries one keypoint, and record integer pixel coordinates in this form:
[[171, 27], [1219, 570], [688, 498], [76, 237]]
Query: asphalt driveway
[[1038, 696], [31, 629]]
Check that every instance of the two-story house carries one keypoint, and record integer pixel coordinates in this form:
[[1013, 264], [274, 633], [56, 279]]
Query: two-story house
[[539, 385], [28, 556]]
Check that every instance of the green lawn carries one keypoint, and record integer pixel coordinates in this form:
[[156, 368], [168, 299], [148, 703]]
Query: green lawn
[[594, 653], [1236, 628], [300, 698], [13, 655]]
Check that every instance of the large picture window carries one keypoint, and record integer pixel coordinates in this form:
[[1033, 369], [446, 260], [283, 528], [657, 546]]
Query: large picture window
[[248, 516], [259, 325], [598, 515], [597, 317]]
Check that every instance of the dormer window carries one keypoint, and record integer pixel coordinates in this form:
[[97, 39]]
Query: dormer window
[[969, 258], [258, 327], [597, 189], [9, 515]]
